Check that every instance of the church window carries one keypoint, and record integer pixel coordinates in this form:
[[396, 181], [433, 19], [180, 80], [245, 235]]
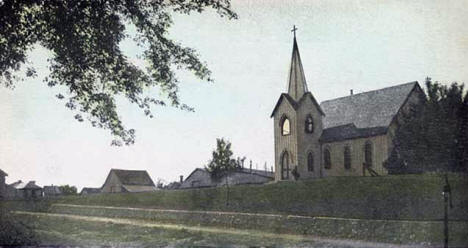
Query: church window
[[368, 153], [285, 166], [310, 162], [347, 157], [309, 124], [327, 158], [285, 127]]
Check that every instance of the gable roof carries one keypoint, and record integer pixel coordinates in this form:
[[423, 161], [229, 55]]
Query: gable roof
[[133, 177], [23, 185], [368, 109], [202, 170], [17, 185], [2, 173], [297, 104]]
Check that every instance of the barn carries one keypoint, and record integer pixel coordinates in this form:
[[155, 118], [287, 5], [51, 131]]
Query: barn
[[128, 181]]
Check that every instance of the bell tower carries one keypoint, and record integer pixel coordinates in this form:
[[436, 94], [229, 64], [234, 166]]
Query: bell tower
[[297, 126]]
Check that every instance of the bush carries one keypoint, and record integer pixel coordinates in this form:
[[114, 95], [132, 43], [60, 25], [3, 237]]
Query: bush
[[13, 231]]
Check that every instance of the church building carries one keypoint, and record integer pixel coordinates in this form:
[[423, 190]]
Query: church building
[[346, 136]]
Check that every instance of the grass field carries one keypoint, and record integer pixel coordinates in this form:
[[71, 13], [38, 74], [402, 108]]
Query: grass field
[[414, 197], [56, 230], [353, 208]]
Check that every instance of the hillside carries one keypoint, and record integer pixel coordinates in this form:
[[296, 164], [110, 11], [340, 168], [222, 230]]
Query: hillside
[[406, 197]]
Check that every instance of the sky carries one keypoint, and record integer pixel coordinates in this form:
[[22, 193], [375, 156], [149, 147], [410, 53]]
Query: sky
[[359, 45]]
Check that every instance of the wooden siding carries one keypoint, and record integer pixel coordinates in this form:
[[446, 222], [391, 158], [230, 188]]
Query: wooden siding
[[379, 155]]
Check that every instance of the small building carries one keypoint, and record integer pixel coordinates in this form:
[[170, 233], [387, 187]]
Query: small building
[[23, 190], [130, 181], [90, 191], [52, 191], [201, 178], [3, 190]]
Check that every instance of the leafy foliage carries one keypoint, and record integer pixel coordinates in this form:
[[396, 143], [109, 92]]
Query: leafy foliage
[[433, 136], [222, 161], [68, 190], [14, 232], [84, 38]]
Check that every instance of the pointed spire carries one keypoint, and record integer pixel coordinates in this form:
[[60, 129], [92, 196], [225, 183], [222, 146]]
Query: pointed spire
[[297, 85]]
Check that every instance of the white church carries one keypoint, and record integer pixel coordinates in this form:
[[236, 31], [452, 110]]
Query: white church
[[346, 136]]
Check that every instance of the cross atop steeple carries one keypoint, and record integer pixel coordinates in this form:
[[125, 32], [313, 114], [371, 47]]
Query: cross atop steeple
[[297, 85], [294, 30]]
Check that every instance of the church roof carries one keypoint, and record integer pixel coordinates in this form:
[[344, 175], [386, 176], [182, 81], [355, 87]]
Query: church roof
[[366, 110], [297, 85], [133, 177], [349, 131]]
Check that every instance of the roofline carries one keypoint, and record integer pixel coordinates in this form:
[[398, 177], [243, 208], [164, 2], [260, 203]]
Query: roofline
[[280, 99], [384, 132], [113, 170], [202, 169], [107, 178], [416, 86], [365, 92], [313, 101], [296, 104]]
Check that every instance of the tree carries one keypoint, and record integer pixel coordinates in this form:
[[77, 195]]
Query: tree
[[68, 190], [463, 134], [84, 38], [433, 136], [160, 183], [222, 161]]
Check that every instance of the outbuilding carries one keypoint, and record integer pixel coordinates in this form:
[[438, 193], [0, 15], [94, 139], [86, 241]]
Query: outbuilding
[[128, 181]]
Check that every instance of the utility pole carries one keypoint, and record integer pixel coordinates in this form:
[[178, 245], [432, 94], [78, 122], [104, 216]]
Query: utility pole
[[227, 188], [447, 198]]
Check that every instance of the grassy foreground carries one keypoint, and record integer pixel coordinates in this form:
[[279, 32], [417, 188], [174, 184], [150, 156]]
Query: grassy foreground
[[64, 231], [412, 197], [367, 206]]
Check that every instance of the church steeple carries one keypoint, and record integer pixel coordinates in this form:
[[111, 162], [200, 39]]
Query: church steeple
[[297, 85]]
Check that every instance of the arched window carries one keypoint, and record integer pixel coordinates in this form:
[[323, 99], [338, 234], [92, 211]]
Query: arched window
[[285, 127], [285, 165], [368, 153], [347, 157], [327, 158], [309, 124], [310, 161]]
